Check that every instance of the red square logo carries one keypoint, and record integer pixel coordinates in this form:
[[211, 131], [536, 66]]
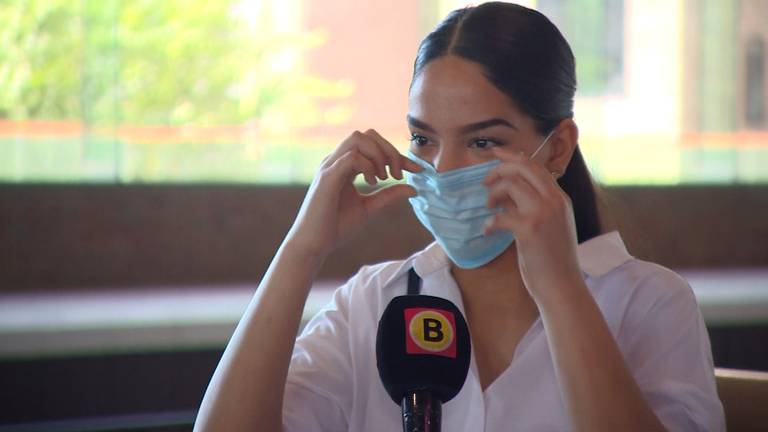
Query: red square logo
[[430, 331]]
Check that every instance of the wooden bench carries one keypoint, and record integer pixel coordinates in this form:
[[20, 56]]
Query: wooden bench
[[745, 399]]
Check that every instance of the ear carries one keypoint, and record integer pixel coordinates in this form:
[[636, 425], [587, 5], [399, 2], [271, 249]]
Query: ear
[[564, 142]]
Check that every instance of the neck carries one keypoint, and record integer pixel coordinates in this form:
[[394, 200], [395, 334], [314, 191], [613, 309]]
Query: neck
[[498, 283]]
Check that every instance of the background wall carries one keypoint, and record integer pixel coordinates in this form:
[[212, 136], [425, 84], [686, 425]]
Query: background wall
[[91, 236]]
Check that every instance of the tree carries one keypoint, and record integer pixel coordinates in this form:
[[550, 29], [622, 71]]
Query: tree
[[169, 62]]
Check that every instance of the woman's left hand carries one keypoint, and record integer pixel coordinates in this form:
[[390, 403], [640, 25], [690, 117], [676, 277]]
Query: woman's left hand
[[540, 215]]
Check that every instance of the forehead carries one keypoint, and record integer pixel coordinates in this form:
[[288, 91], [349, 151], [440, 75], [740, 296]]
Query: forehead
[[451, 91]]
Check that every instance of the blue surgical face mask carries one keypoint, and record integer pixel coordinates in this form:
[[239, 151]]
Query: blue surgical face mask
[[452, 206]]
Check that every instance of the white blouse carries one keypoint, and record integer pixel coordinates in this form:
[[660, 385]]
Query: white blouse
[[333, 383]]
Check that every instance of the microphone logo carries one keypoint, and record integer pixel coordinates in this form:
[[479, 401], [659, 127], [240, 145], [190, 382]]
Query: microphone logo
[[430, 331]]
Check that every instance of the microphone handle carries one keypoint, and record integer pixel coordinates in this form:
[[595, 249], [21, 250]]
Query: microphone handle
[[422, 411]]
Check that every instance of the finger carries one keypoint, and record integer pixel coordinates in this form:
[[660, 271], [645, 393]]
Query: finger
[[371, 149], [342, 149], [365, 145], [536, 175], [393, 156], [498, 197], [410, 165], [402, 162], [507, 205], [505, 221], [388, 196], [506, 159], [516, 189], [352, 163], [364, 166]]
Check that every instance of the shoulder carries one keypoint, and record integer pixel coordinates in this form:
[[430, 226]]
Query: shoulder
[[639, 296], [606, 262], [650, 307], [375, 285], [621, 282], [663, 337], [378, 276], [385, 275], [648, 284]]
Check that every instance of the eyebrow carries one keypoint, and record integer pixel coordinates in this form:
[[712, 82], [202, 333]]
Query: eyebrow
[[472, 127]]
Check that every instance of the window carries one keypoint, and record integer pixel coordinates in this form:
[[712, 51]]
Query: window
[[595, 31], [260, 90]]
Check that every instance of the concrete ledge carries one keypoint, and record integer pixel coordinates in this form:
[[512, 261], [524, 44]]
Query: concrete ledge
[[203, 317]]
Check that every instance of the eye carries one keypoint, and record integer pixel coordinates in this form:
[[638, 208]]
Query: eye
[[485, 143], [418, 140]]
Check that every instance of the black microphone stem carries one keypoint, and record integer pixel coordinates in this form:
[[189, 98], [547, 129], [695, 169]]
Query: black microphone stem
[[421, 412]]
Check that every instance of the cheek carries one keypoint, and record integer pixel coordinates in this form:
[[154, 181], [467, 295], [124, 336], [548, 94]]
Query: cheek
[[426, 153], [449, 155]]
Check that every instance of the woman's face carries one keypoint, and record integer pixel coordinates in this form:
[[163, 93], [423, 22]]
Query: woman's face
[[456, 116]]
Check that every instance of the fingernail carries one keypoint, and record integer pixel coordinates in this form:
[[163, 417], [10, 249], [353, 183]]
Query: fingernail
[[487, 225]]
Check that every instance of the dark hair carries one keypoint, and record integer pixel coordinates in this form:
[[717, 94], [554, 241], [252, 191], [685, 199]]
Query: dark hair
[[525, 56]]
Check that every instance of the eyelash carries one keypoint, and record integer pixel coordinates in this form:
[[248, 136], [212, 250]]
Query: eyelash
[[414, 138], [420, 140]]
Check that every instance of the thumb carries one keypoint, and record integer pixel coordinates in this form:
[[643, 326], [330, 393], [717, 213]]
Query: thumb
[[388, 196]]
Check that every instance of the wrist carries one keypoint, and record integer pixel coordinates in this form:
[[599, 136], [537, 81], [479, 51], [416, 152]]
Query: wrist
[[302, 254], [562, 295]]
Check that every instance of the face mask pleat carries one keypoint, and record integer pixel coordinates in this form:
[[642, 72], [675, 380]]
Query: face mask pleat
[[455, 229], [452, 206], [444, 211]]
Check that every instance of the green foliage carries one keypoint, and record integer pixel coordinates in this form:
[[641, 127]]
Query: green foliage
[[38, 56], [169, 62], [592, 63], [594, 29]]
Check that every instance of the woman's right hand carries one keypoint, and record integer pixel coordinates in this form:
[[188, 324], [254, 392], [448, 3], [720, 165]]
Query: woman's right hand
[[333, 209]]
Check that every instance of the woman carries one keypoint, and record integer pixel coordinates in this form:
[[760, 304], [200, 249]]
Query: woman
[[569, 332]]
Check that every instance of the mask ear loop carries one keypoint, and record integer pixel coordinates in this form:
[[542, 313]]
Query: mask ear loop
[[541, 146], [556, 174]]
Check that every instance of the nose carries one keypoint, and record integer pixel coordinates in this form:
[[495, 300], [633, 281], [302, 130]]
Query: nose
[[448, 159]]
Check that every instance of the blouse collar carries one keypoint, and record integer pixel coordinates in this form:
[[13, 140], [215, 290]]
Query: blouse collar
[[597, 256]]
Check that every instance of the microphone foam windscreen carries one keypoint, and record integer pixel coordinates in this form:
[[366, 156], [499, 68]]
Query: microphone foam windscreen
[[422, 344]]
